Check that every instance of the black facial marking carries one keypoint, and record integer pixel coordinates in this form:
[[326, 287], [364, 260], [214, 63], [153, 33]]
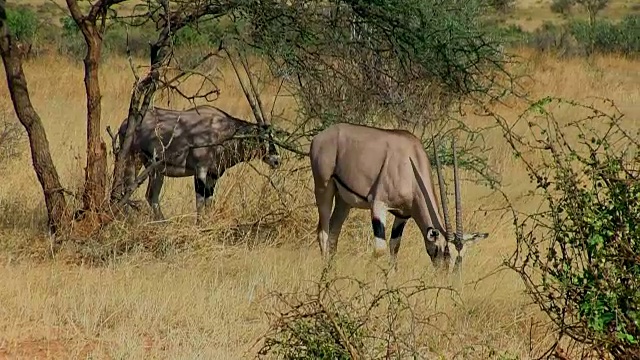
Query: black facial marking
[[203, 189], [396, 232], [432, 249], [459, 245], [378, 228]]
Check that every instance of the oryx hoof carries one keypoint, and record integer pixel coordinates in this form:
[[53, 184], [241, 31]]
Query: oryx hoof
[[379, 248]]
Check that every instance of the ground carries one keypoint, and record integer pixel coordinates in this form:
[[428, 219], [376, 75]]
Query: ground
[[208, 297]]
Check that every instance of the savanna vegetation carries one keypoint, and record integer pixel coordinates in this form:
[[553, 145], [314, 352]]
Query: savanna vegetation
[[542, 98]]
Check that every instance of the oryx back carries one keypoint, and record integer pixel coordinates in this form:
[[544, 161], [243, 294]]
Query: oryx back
[[371, 164], [181, 137]]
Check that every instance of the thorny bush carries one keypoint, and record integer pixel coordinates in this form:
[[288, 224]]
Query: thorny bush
[[347, 318], [580, 255], [332, 321]]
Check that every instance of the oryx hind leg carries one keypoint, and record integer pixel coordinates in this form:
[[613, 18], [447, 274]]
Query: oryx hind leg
[[378, 217], [340, 213], [396, 237], [324, 201], [156, 179]]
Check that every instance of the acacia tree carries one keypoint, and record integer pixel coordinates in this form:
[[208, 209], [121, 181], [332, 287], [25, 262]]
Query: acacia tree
[[408, 61]]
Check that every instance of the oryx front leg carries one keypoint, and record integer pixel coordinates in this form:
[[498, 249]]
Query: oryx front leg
[[204, 185], [378, 216], [340, 212], [396, 237], [153, 194]]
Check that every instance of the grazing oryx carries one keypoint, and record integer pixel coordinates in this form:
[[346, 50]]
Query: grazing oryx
[[382, 170], [202, 142]]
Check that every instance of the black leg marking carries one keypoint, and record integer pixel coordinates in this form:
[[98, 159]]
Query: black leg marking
[[378, 228], [396, 232], [203, 189]]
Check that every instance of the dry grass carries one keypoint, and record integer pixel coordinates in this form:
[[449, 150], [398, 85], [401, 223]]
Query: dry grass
[[205, 296]]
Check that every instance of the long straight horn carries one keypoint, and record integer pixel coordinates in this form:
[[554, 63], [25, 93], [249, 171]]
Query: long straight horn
[[443, 192], [456, 180]]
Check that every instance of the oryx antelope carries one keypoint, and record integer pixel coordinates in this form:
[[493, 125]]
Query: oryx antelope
[[382, 170], [202, 142]]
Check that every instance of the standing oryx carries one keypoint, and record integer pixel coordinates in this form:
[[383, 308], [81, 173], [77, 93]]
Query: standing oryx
[[381, 170], [202, 142]]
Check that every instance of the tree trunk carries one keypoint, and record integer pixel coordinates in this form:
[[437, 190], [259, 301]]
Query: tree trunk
[[95, 184], [124, 174], [123, 170], [40, 155]]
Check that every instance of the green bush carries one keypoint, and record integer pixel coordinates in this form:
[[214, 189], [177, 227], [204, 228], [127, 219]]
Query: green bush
[[607, 37], [318, 337], [71, 41], [23, 23], [190, 36], [579, 256], [562, 7], [601, 37], [511, 35], [503, 6], [578, 37], [117, 40], [630, 34], [345, 318], [554, 38]]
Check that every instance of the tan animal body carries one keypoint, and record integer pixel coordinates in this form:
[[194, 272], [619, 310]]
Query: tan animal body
[[383, 171], [202, 142]]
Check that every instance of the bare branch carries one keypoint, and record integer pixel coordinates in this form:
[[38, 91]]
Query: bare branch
[[254, 106], [256, 94], [114, 140]]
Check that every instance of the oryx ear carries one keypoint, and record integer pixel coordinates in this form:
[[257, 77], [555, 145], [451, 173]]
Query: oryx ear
[[472, 238]]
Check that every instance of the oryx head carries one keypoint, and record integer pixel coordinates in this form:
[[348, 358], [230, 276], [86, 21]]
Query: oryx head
[[441, 256]]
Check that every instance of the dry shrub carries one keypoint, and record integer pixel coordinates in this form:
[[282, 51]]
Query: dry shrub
[[346, 318], [11, 137]]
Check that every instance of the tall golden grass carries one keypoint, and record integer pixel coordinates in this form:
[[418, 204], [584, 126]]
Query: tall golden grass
[[204, 297]]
